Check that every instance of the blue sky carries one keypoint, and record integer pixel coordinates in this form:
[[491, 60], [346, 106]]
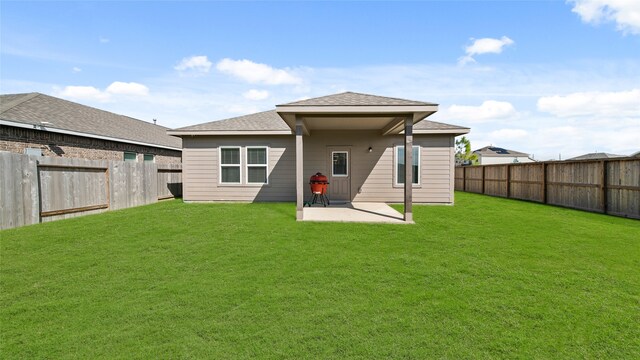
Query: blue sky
[[543, 77]]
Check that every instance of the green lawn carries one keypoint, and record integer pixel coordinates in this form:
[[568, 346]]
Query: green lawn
[[485, 278]]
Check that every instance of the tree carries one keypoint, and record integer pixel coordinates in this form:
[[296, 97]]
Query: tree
[[463, 151]]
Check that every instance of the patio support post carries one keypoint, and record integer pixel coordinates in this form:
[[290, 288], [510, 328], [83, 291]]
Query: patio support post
[[299, 169], [408, 169]]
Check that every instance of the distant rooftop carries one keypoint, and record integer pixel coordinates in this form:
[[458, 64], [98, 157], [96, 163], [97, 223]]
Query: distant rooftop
[[596, 155], [498, 151]]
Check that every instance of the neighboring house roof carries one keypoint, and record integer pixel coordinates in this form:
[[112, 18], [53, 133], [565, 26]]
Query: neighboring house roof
[[635, 154], [599, 155], [48, 113], [498, 151], [270, 122], [356, 99]]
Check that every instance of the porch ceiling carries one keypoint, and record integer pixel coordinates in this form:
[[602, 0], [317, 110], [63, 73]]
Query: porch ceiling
[[387, 119], [342, 122]]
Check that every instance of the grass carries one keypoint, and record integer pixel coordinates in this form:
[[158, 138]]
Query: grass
[[485, 278]]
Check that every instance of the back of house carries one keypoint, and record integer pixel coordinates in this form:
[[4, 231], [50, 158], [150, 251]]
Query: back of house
[[356, 140]]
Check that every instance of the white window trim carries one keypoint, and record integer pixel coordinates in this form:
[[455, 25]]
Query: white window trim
[[247, 165], [220, 165], [340, 175], [396, 164]]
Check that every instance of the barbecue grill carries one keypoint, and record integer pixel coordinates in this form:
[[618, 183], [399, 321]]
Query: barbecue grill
[[318, 184]]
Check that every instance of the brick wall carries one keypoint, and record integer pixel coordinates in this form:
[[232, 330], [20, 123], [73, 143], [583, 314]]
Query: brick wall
[[16, 140]]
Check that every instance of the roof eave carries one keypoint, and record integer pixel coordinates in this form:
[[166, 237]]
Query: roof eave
[[442, 131], [355, 109], [180, 133], [82, 134]]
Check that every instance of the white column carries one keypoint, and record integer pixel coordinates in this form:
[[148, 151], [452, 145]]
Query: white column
[[299, 169], [408, 169]]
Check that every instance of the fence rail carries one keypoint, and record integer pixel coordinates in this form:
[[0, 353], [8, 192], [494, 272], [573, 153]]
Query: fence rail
[[610, 186], [38, 189]]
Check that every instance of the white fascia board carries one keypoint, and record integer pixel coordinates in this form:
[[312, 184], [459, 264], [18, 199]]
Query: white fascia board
[[77, 133], [227, 132], [448, 131], [362, 109]]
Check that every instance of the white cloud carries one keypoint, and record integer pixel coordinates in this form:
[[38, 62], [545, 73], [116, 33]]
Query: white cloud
[[509, 134], [92, 93], [103, 40], [625, 13], [484, 46], [131, 88], [84, 93], [610, 104], [76, 69], [256, 73], [196, 64], [489, 110], [512, 91], [254, 94]]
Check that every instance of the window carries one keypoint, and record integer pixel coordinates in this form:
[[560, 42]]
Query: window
[[230, 165], [339, 160], [130, 156], [33, 151], [400, 165], [149, 157], [257, 165]]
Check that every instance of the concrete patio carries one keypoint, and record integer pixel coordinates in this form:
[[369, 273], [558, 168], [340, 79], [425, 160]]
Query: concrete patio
[[355, 212]]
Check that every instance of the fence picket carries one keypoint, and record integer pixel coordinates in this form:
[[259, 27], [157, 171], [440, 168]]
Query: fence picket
[[610, 186], [35, 189]]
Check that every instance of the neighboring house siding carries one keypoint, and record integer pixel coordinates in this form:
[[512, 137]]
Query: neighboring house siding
[[371, 173], [16, 140], [490, 160]]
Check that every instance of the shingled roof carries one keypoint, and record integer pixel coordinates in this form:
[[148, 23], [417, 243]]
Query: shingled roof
[[434, 125], [498, 151], [50, 113], [356, 99], [262, 121], [271, 122], [598, 155]]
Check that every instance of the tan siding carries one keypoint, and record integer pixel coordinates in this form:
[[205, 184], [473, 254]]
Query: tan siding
[[201, 169], [371, 173]]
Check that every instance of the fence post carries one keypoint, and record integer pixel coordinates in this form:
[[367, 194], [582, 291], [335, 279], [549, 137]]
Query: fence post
[[464, 178], [483, 167], [508, 181], [603, 186], [544, 183]]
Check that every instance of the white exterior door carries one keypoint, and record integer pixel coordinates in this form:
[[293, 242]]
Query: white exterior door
[[339, 161]]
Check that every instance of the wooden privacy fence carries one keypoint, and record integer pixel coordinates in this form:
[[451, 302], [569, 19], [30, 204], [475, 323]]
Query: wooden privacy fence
[[38, 189], [610, 186]]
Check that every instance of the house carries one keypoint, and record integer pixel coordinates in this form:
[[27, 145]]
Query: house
[[356, 140], [596, 156], [44, 125], [489, 155]]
